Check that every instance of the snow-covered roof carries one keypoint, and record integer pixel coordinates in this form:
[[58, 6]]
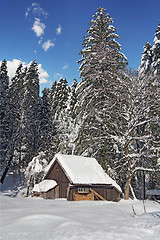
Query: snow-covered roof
[[83, 170], [44, 186]]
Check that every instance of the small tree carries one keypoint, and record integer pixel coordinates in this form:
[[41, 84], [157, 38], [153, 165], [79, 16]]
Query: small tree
[[35, 171]]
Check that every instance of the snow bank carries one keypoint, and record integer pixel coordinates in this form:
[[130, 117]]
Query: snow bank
[[36, 219], [44, 186], [83, 170]]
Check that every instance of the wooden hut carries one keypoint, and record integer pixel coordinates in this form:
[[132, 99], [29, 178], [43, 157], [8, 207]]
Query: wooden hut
[[46, 189], [81, 178]]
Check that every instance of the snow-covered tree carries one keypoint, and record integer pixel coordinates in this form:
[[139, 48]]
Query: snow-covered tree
[[156, 52], [46, 127], [73, 98], [114, 111], [99, 90], [16, 92], [146, 60], [151, 78], [4, 118], [59, 107], [35, 171], [68, 122], [59, 97], [101, 37], [30, 103], [54, 100], [134, 140]]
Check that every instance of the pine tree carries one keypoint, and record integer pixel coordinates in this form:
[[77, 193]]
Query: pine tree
[[30, 104], [16, 91], [156, 52], [59, 97], [73, 98], [54, 98], [59, 104], [4, 120], [46, 127], [68, 122], [101, 36], [146, 59], [99, 90]]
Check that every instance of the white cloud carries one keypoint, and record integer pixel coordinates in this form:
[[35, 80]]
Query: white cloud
[[46, 45], [27, 12], [39, 42], [57, 75], [51, 83], [36, 10], [38, 27], [12, 67], [43, 75], [65, 67], [59, 30]]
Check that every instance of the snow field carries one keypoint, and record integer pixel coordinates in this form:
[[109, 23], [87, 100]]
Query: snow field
[[37, 219]]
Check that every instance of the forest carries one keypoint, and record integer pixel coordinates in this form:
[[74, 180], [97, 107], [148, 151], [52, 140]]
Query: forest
[[112, 114]]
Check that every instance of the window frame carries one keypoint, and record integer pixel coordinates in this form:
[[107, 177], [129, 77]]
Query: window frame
[[83, 190]]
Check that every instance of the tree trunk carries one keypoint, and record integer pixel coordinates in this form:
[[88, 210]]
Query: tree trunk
[[133, 194], [126, 194]]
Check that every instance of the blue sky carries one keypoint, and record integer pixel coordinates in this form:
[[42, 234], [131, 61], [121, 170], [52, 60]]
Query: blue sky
[[52, 31]]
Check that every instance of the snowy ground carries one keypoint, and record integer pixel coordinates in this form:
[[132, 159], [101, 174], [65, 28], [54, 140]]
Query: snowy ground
[[38, 219]]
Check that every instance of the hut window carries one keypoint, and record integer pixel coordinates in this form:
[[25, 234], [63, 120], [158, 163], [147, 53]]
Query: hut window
[[83, 190]]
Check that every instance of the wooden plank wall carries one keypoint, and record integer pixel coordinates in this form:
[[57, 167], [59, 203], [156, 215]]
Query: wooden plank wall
[[110, 193], [56, 173]]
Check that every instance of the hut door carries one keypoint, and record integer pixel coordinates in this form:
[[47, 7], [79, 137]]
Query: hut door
[[57, 192], [63, 190]]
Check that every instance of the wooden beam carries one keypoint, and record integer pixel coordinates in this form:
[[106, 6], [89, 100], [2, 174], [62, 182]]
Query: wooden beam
[[97, 194]]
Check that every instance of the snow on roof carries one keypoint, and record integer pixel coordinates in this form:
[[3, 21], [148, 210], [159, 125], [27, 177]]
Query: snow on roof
[[44, 186], [83, 170]]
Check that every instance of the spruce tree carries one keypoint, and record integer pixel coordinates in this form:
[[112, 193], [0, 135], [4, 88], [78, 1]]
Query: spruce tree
[[4, 118], [99, 91], [46, 127], [54, 100], [30, 104], [146, 59], [101, 40], [69, 121], [156, 52], [59, 97], [16, 92], [59, 104], [73, 98]]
